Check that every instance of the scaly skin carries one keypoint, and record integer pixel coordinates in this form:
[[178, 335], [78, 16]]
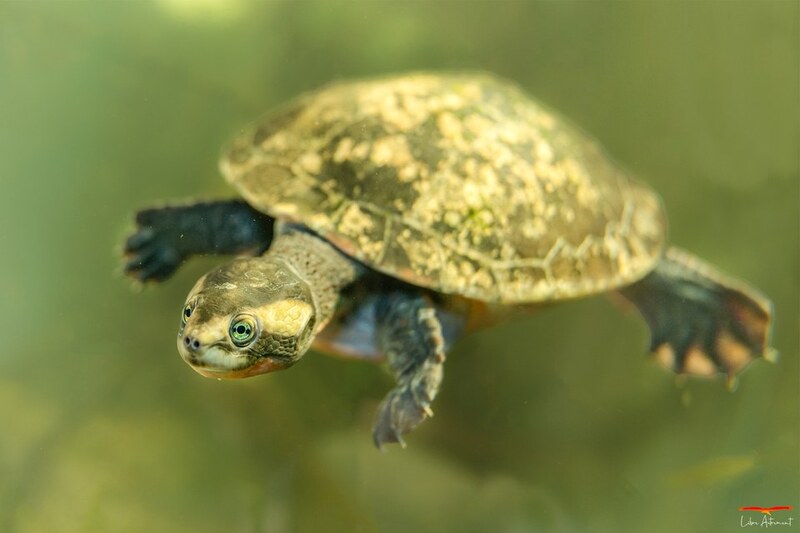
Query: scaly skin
[[459, 193]]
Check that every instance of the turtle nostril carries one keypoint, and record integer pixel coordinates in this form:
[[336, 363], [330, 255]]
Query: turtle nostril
[[191, 343]]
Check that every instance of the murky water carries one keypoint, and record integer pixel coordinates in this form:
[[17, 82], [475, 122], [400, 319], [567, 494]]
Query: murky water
[[554, 422]]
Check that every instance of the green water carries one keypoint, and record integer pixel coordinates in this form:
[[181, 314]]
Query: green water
[[555, 422]]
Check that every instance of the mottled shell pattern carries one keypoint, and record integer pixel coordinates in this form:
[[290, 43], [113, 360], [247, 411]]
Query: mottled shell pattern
[[456, 182]]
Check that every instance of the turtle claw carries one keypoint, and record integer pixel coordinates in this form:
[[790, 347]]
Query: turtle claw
[[143, 236], [153, 264], [771, 355], [151, 251]]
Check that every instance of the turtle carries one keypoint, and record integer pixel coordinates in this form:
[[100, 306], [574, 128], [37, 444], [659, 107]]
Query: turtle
[[384, 219]]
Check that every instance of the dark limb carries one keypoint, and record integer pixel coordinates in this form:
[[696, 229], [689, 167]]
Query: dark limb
[[701, 322], [410, 336], [167, 236]]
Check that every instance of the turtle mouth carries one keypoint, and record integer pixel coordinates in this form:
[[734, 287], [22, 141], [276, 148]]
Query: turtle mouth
[[216, 361]]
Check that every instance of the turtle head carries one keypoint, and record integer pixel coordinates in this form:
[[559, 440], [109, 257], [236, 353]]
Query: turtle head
[[247, 317]]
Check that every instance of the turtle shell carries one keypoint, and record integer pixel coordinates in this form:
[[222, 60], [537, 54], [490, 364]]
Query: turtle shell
[[456, 182]]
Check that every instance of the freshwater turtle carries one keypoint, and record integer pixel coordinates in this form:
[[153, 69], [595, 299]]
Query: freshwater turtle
[[384, 219]]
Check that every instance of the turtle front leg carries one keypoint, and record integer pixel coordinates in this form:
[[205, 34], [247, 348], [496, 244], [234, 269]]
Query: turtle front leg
[[167, 236], [410, 336]]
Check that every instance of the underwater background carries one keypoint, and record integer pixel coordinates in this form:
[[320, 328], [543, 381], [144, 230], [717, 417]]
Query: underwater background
[[552, 422]]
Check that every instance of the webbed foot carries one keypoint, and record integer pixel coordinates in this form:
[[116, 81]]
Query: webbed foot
[[702, 323], [153, 251]]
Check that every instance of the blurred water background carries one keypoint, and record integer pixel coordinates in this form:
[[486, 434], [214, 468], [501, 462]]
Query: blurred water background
[[555, 422]]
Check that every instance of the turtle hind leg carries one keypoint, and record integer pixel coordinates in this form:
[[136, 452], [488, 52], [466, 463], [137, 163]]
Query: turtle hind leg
[[701, 322]]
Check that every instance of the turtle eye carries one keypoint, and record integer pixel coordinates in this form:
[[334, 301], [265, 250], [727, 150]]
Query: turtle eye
[[242, 331], [187, 312]]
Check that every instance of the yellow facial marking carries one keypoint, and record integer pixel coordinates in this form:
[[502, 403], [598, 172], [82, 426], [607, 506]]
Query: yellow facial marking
[[211, 331], [285, 317]]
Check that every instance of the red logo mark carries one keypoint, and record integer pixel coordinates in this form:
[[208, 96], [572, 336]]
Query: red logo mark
[[767, 510]]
